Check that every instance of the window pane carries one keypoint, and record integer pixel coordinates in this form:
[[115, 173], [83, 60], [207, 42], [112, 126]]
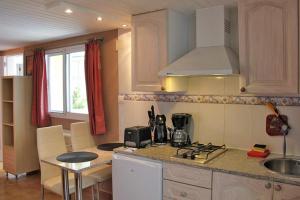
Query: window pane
[[13, 65], [56, 83], [77, 90]]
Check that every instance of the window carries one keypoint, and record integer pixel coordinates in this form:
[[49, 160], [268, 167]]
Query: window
[[13, 65], [66, 82]]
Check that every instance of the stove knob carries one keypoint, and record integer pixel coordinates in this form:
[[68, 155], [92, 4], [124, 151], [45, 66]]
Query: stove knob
[[193, 157], [184, 155]]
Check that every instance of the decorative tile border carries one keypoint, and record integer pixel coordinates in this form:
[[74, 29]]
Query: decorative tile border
[[213, 99]]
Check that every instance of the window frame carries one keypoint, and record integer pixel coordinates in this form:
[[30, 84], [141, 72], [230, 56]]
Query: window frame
[[65, 114]]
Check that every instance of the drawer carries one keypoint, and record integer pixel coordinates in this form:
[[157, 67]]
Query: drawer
[[178, 191], [188, 175]]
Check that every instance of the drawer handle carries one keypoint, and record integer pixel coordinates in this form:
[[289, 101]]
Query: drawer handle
[[277, 188], [268, 185], [243, 89], [183, 194]]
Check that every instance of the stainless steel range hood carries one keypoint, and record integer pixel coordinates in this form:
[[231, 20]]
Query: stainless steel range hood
[[213, 54]]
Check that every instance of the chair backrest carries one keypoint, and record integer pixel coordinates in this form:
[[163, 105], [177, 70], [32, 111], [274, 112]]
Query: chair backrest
[[50, 142], [81, 137]]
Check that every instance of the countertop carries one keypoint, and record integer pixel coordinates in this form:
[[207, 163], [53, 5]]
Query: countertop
[[232, 161]]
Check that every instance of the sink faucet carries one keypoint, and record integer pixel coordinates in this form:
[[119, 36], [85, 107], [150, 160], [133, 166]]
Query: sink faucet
[[284, 131]]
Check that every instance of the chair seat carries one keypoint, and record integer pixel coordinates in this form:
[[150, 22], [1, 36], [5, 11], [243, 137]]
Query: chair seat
[[100, 174], [55, 184]]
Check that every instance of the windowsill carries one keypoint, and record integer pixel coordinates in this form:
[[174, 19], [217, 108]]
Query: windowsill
[[74, 116]]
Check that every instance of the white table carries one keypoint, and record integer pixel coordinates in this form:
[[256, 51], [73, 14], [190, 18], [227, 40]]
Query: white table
[[104, 157]]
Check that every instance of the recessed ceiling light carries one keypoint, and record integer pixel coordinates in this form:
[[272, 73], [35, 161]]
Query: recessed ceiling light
[[68, 11], [124, 25], [99, 18]]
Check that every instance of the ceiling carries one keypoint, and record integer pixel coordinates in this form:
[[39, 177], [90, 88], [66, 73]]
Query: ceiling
[[26, 22]]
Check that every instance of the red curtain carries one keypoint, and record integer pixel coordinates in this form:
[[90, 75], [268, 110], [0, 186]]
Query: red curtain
[[94, 88], [39, 113]]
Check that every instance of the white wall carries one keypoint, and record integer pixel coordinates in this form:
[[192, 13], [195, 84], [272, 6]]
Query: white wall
[[237, 126]]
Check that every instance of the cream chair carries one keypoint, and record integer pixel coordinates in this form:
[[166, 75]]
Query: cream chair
[[50, 142], [81, 138]]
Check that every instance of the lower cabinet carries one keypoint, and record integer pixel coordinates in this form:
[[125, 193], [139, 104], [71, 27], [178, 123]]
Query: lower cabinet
[[186, 183], [233, 187], [286, 192], [176, 191]]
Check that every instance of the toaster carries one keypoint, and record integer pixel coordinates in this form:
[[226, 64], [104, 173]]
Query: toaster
[[137, 136]]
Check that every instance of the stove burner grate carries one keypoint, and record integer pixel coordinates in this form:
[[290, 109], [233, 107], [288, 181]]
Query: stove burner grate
[[194, 150]]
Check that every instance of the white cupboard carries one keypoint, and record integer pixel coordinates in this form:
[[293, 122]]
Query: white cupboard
[[158, 38], [135, 178], [268, 46]]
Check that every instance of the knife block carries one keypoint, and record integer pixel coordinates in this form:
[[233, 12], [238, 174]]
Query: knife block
[[274, 123]]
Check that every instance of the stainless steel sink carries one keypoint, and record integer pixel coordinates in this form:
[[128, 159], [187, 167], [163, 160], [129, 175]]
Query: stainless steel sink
[[284, 166]]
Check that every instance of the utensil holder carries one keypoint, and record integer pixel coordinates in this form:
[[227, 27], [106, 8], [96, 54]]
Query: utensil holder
[[274, 124]]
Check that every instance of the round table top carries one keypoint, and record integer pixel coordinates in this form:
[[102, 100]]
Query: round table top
[[77, 157], [109, 146]]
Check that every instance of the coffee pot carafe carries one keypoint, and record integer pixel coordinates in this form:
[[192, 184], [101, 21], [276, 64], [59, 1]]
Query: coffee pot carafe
[[179, 136]]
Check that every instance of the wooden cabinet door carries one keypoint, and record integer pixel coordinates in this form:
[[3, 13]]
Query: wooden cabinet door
[[286, 192], [175, 191], [149, 50], [232, 187], [268, 40]]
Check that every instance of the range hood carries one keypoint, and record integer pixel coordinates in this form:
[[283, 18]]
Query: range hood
[[213, 54]]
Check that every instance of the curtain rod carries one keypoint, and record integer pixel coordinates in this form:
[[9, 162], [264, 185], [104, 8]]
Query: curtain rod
[[80, 42], [100, 39]]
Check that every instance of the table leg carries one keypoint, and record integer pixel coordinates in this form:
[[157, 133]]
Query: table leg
[[65, 184], [78, 186]]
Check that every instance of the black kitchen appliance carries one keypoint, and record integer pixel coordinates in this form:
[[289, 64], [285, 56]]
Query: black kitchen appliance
[[180, 136], [137, 136], [160, 130], [158, 127]]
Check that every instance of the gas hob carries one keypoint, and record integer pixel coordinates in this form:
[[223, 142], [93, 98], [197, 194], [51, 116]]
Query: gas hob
[[201, 153]]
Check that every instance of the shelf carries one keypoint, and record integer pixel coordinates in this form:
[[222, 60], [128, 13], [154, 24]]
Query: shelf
[[7, 101], [7, 88], [7, 124], [8, 135], [7, 113]]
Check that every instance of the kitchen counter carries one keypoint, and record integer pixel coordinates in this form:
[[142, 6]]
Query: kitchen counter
[[232, 161]]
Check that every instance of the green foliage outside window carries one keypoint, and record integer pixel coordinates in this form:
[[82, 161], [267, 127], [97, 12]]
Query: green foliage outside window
[[78, 101]]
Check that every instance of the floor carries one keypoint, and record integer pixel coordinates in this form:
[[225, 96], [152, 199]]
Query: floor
[[28, 188]]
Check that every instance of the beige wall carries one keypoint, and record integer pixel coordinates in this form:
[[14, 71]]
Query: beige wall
[[237, 126], [1, 74], [109, 64]]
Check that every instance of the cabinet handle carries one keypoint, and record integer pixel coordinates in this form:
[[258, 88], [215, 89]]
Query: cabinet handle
[[268, 185], [277, 188], [162, 88], [183, 194], [243, 89]]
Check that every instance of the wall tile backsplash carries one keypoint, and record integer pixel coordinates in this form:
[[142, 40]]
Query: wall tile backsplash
[[213, 99], [220, 114], [237, 126]]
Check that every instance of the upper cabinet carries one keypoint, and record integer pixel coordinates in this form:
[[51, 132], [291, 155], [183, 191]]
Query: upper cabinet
[[158, 38], [268, 40]]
